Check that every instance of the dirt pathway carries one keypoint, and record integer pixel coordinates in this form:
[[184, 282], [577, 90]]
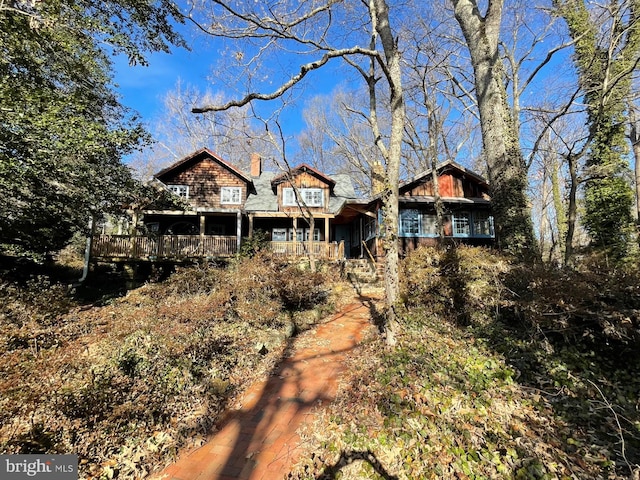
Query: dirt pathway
[[259, 440]]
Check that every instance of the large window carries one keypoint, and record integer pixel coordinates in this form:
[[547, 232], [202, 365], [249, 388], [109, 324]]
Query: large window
[[414, 223], [370, 228], [482, 224], [461, 224], [231, 195], [410, 223], [180, 190], [279, 235], [311, 197]]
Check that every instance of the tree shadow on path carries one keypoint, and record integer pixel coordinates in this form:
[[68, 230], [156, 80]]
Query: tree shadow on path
[[259, 440]]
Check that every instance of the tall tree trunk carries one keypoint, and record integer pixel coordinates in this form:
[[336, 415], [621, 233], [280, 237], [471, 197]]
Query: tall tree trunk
[[392, 154], [433, 127], [605, 64], [507, 170], [572, 210], [558, 205], [634, 138]]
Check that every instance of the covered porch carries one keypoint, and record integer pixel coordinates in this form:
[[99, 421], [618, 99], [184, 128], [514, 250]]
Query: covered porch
[[295, 235]]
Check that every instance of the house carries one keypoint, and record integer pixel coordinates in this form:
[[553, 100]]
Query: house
[[466, 205], [296, 209], [301, 211]]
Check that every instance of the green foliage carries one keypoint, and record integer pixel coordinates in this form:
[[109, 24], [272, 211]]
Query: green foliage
[[62, 128], [254, 244], [599, 59], [608, 219]]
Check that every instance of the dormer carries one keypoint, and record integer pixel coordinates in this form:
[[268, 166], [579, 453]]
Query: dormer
[[303, 186], [207, 181]]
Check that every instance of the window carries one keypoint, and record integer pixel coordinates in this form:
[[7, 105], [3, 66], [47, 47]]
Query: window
[[180, 190], [287, 235], [410, 223], [461, 224], [311, 197], [215, 229], [304, 233], [370, 228], [279, 235], [414, 223], [482, 224], [230, 195], [429, 224]]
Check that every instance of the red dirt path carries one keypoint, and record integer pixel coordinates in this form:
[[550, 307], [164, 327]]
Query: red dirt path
[[259, 440]]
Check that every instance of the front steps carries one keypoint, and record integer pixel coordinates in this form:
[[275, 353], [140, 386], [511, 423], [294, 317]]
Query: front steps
[[362, 270]]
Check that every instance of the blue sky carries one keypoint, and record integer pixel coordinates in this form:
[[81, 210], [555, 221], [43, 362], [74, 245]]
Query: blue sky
[[143, 88]]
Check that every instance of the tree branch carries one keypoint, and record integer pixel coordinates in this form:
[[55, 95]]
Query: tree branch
[[304, 69]]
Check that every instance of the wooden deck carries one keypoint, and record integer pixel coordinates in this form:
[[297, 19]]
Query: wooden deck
[[185, 247]]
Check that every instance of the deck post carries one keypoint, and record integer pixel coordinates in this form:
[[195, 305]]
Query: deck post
[[202, 230], [295, 236], [326, 235], [134, 231], [238, 230]]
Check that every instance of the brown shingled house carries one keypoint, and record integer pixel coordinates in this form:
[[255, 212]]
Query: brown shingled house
[[301, 211]]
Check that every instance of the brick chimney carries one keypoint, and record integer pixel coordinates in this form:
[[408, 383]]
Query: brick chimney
[[256, 165]]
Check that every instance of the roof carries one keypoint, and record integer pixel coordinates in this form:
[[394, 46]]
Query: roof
[[198, 156], [303, 167]]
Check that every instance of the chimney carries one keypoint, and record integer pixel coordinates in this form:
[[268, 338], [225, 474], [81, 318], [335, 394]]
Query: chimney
[[256, 165], [377, 178]]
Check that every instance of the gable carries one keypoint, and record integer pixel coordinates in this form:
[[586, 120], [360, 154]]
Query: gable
[[207, 181], [303, 176], [454, 181], [210, 159]]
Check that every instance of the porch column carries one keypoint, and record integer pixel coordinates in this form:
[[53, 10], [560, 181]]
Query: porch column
[[202, 219], [250, 225], [238, 229], [326, 237], [361, 238], [295, 235], [134, 231]]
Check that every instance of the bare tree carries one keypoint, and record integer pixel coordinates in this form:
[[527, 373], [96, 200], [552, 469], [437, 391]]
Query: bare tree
[[634, 138], [606, 54], [233, 134], [338, 137], [507, 170], [319, 32]]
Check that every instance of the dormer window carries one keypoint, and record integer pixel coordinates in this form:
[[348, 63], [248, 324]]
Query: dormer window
[[311, 197], [180, 190], [231, 195]]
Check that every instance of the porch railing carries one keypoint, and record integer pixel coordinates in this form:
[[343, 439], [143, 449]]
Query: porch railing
[[163, 246], [331, 251], [179, 247]]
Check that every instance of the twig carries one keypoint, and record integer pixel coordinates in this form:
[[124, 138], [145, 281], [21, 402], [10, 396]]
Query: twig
[[615, 416]]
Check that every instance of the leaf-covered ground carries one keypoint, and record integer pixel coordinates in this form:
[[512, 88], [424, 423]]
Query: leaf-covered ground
[[500, 372], [127, 381]]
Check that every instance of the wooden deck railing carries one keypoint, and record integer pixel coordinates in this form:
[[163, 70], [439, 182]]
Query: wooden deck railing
[[330, 251], [180, 247], [163, 247]]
